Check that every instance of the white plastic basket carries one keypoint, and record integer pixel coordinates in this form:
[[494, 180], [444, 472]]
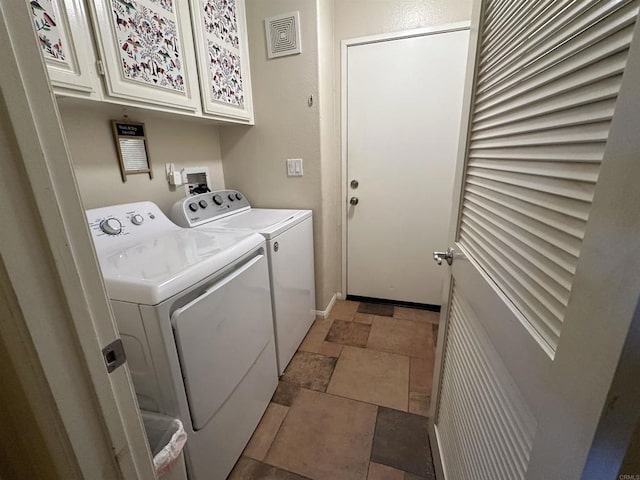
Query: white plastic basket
[[166, 437]]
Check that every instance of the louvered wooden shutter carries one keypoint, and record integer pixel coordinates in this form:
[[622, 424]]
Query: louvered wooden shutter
[[547, 79], [486, 428]]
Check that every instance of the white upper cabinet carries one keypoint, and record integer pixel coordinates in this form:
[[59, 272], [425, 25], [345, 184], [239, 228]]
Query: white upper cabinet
[[146, 49], [63, 33], [223, 58]]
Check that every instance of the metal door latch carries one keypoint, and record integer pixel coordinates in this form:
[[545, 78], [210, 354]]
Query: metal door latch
[[439, 256], [353, 201], [114, 355]]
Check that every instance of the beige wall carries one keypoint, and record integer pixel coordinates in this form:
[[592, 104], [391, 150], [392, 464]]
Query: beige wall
[[285, 126], [357, 18], [171, 139]]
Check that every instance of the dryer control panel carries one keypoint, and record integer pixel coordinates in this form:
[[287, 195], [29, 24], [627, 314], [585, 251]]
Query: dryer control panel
[[205, 207], [122, 225]]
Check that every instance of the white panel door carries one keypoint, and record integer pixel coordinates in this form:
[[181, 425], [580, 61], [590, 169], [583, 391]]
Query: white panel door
[[526, 353], [404, 103]]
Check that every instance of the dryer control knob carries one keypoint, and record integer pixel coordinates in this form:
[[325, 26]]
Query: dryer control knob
[[111, 226], [137, 219], [193, 207], [238, 196], [231, 197], [202, 204], [217, 199]]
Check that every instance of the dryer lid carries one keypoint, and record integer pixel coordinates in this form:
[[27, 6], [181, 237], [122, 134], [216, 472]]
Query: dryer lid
[[155, 269]]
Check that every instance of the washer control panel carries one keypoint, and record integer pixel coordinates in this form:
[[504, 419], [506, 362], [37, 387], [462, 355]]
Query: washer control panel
[[124, 224], [205, 207]]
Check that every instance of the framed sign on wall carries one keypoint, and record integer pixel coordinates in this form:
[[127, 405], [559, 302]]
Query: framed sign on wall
[[131, 144]]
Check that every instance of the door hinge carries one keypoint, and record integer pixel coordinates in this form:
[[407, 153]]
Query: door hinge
[[114, 355], [100, 67]]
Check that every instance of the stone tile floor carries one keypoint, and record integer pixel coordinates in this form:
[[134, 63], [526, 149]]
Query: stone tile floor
[[353, 402]]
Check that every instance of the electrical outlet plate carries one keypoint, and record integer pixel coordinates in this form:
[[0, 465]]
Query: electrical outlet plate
[[294, 167]]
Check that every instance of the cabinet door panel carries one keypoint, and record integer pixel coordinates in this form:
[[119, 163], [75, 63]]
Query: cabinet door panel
[[146, 47], [64, 36], [223, 58]]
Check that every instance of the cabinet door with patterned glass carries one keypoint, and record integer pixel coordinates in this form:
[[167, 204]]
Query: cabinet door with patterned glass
[[64, 37], [146, 48], [223, 58]]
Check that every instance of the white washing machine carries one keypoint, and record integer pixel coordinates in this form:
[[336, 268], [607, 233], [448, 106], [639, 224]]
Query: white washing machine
[[289, 236], [194, 312]]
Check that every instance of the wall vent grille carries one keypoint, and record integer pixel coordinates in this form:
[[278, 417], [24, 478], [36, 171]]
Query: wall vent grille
[[283, 35]]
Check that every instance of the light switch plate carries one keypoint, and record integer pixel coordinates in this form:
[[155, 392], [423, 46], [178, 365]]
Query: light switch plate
[[294, 167]]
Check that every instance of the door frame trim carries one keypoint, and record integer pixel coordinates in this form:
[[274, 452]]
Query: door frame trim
[[86, 414], [344, 47], [456, 198]]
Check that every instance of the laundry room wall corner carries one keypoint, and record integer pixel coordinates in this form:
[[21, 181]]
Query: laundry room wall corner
[[287, 125]]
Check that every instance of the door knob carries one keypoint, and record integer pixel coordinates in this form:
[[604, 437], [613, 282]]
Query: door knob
[[354, 201], [354, 183], [439, 256]]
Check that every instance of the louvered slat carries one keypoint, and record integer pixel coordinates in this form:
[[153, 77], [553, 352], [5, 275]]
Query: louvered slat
[[486, 428], [516, 29], [570, 171], [572, 28], [563, 78], [533, 106], [592, 112], [563, 223], [560, 40], [555, 272], [556, 255], [531, 266], [589, 152], [546, 86], [563, 188], [523, 18], [555, 65]]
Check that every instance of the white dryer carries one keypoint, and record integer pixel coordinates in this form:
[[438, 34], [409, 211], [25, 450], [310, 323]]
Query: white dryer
[[289, 236], [193, 309]]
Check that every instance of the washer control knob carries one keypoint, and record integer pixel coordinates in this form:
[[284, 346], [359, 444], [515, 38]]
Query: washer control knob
[[137, 219], [217, 199], [202, 203], [232, 197], [238, 196], [111, 226], [193, 207]]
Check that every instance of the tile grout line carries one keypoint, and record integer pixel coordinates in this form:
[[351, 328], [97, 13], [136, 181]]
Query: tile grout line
[[348, 398], [275, 437]]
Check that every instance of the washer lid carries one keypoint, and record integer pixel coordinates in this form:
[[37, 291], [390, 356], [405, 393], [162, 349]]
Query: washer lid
[[266, 221], [155, 269]]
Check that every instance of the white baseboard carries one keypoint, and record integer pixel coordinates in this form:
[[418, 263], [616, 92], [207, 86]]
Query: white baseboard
[[325, 313]]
